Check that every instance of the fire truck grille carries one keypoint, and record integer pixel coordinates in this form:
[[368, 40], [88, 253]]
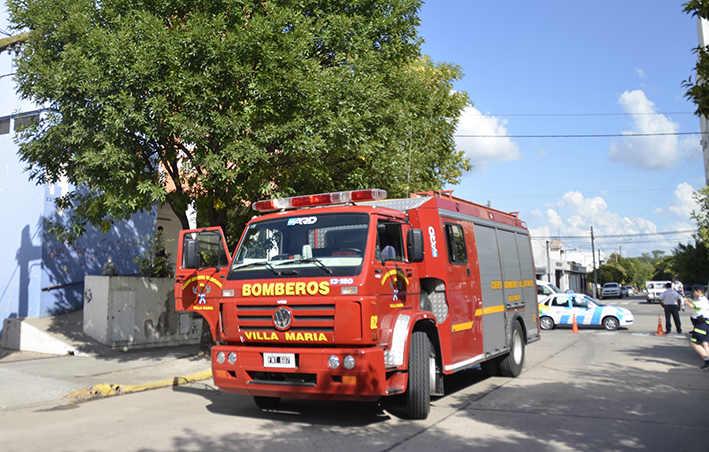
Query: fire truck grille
[[282, 378], [316, 318]]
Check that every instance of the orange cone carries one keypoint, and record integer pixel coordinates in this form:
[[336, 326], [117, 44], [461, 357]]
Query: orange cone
[[575, 326], [659, 327]]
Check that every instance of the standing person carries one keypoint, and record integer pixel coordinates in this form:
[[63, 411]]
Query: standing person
[[162, 252], [670, 301], [700, 319], [679, 287]]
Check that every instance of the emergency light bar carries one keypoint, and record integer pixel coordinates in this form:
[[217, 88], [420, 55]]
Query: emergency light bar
[[323, 199]]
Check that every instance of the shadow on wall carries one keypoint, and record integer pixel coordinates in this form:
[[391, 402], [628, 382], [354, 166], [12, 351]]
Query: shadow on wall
[[25, 255], [66, 264]]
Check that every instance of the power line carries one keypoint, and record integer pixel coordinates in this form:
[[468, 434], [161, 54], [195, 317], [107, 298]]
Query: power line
[[616, 236], [593, 114], [611, 135]]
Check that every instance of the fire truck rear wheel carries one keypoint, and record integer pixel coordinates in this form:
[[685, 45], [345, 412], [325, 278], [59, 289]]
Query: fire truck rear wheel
[[267, 403], [512, 363], [421, 360]]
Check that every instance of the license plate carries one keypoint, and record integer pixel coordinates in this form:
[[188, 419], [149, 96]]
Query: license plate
[[283, 360]]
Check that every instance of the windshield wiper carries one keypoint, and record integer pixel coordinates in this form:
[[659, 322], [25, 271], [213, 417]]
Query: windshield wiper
[[254, 264], [308, 260]]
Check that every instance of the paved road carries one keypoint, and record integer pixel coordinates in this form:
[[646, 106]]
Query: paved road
[[594, 391]]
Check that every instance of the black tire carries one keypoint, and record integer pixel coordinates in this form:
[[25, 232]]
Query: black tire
[[267, 403], [418, 393], [610, 323], [491, 368], [546, 323], [511, 364]]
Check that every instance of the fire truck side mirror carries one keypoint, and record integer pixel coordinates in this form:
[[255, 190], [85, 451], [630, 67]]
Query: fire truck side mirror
[[414, 245]]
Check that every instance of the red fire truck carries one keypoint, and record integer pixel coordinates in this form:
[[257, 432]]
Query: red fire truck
[[351, 296]]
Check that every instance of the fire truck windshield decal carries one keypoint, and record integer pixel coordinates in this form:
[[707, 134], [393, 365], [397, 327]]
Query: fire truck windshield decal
[[329, 245], [302, 221]]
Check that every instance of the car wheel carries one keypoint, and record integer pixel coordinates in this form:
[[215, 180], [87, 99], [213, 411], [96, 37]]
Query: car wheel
[[511, 365], [610, 323], [547, 323], [267, 403], [421, 360]]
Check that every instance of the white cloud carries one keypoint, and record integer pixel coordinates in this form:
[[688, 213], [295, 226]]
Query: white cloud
[[483, 151], [683, 202], [640, 72], [682, 205], [655, 152]]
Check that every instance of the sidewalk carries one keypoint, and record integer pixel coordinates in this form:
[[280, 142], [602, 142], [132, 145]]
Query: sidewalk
[[30, 379]]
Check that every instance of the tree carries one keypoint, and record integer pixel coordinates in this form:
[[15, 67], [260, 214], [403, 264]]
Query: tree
[[690, 263], [702, 216], [697, 90], [221, 102]]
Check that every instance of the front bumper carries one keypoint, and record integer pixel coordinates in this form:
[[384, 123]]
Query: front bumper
[[311, 378]]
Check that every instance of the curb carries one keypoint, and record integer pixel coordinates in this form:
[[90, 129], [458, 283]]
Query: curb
[[106, 389]]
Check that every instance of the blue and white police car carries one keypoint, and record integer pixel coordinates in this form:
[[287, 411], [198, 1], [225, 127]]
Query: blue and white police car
[[560, 308]]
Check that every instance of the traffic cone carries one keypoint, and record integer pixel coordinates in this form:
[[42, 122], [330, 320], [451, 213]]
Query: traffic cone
[[575, 326], [659, 327]]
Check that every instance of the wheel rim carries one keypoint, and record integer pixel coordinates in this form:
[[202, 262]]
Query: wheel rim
[[546, 323], [517, 347], [432, 374]]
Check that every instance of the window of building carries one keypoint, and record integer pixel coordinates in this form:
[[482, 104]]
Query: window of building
[[4, 126]]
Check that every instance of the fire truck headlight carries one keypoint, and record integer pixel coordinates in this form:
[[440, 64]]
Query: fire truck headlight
[[221, 357], [348, 290], [227, 293], [231, 358], [333, 362], [349, 362]]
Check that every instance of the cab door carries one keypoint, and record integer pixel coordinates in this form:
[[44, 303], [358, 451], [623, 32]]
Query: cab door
[[203, 263]]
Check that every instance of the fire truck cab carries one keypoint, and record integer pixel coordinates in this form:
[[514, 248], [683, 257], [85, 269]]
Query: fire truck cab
[[350, 296]]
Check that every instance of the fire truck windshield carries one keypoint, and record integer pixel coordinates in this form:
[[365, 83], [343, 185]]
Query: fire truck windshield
[[311, 245]]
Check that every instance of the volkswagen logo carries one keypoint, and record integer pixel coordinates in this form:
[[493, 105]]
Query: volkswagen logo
[[282, 318]]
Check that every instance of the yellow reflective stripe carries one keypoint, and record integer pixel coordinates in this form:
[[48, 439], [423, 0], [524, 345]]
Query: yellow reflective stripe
[[697, 330], [462, 327], [489, 310], [493, 309]]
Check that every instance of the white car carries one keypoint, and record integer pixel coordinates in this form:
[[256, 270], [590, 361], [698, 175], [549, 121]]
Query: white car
[[559, 309], [544, 289]]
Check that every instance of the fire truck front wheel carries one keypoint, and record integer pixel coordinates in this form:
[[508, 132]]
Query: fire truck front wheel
[[511, 364], [422, 363], [267, 403]]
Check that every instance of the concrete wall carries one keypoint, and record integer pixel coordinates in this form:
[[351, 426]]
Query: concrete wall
[[130, 312]]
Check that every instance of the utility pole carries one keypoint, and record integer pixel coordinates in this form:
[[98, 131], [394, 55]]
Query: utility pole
[[595, 273]]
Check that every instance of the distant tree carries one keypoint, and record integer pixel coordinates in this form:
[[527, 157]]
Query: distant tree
[[218, 102], [611, 272], [701, 216], [690, 263]]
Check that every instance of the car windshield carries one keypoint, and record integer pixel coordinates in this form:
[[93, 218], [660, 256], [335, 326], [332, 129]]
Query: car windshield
[[309, 245]]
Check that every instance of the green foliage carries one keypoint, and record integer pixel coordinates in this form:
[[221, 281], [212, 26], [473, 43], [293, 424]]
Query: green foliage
[[690, 263], [702, 215], [155, 260], [219, 102], [698, 91]]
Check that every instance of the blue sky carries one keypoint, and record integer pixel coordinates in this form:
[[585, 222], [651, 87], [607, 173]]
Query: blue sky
[[559, 67], [576, 68]]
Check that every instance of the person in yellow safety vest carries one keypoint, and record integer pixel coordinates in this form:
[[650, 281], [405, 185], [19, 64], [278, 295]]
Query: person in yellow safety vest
[[700, 319]]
